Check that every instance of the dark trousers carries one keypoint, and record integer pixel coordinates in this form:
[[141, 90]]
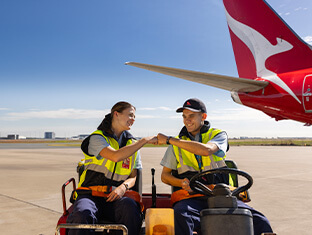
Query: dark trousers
[[91, 210], [187, 217]]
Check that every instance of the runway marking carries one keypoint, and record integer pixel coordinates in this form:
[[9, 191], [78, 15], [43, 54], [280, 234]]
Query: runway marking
[[29, 203]]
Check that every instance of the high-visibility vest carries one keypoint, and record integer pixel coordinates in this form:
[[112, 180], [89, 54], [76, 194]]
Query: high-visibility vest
[[113, 172], [187, 161]]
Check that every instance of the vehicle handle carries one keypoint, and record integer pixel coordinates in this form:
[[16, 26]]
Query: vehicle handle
[[65, 211]]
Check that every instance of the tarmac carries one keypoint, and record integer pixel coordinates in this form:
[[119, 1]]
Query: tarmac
[[32, 177]]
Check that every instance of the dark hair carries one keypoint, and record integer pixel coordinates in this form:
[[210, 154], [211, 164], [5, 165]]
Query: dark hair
[[106, 124]]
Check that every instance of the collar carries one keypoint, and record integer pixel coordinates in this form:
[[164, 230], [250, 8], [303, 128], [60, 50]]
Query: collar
[[124, 137], [124, 134]]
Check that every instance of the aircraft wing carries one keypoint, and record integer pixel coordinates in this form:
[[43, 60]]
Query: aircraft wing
[[219, 81]]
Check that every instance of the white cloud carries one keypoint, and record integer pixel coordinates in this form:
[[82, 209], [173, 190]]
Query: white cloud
[[308, 39], [156, 108], [74, 114], [4, 109], [146, 116], [176, 117], [56, 114], [301, 9], [237, 114], [230, 114]]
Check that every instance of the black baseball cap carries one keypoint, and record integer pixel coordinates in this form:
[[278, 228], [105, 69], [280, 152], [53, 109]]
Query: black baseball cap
[[194, 105]]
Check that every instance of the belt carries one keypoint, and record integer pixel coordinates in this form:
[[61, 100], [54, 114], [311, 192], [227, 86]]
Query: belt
[[97, 191], [104, 191]]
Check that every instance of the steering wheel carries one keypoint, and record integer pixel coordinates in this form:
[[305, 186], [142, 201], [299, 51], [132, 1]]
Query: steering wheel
[[199, 187]]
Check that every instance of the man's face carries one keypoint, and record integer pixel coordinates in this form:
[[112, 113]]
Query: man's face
[[193, 121]]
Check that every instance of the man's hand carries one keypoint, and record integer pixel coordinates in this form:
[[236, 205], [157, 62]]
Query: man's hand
[[162, 139], [186, 185]]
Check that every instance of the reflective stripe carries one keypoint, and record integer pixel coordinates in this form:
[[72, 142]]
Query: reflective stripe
[[213, 165], [216, 164], [210, 134], [88, 161], [104, 170], [108, 174], [105, 166], [187, 161], [183, 168]]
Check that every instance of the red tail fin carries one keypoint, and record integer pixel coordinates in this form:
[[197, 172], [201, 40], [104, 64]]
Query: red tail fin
[[263, 43]]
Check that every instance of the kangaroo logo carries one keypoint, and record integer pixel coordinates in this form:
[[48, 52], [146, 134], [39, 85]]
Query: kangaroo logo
[[261, 50]]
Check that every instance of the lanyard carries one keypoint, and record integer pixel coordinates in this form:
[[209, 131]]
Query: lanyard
[[198, 157]]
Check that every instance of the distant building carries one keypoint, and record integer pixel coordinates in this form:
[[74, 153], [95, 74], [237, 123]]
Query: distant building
[[13, 137], [82, 137], [49, 135], [79, 137]]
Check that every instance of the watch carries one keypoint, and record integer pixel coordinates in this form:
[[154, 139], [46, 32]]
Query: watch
[[126, 185], [169, 137]]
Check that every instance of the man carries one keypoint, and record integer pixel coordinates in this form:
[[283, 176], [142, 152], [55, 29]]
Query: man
[[197, 148]]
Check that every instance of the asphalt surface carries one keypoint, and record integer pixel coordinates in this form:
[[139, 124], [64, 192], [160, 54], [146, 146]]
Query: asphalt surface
[[32, 177]]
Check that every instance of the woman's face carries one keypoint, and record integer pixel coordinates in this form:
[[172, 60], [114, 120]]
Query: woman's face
[[126, 118]]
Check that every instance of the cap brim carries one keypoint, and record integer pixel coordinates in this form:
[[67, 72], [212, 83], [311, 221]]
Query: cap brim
[[180, 110]]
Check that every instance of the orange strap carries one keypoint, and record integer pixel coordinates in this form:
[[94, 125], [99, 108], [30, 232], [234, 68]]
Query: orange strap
[[136, 197], [183, 194], [101, 191]]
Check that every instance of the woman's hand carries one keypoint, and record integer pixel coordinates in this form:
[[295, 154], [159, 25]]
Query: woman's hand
[[152, 140], [117, 193]]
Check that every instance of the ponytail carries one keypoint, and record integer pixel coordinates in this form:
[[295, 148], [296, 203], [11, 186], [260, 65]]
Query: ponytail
[[106, 124]]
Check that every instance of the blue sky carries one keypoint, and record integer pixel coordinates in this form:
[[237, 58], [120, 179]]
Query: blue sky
[[62, 65]]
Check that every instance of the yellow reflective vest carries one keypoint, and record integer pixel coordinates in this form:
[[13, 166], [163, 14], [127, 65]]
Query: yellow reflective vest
[[102, 171], [187, 161]]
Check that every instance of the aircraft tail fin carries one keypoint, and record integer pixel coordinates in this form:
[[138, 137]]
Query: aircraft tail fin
[[263, 43]]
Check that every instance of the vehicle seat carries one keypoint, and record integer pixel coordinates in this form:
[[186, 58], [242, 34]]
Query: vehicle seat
[[138, 182], [233, 177]]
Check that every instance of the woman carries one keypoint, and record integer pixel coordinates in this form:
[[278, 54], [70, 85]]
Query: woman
[[111, 160]]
